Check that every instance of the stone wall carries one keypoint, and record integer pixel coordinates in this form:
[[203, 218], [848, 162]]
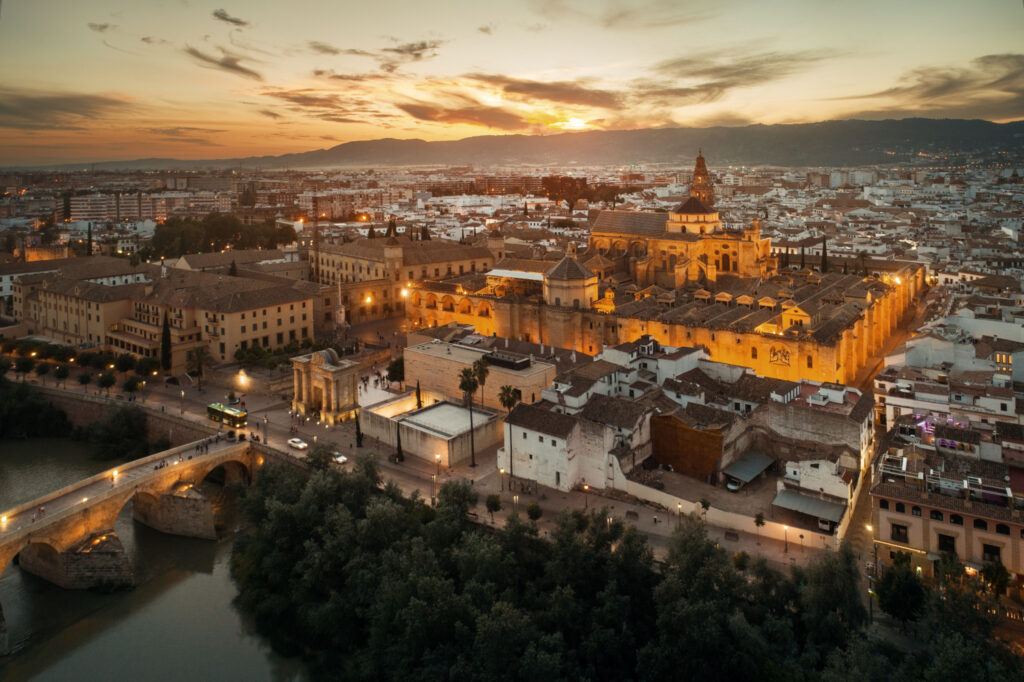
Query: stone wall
[[98, 561], [83, 410]]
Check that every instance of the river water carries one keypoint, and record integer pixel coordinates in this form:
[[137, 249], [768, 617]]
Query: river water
[[178, 623]]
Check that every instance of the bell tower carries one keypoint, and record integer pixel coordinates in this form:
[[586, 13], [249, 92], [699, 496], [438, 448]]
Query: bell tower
[[701, 187]]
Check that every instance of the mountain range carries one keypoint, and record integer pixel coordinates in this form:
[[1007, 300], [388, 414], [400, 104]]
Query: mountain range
[[828, 143]]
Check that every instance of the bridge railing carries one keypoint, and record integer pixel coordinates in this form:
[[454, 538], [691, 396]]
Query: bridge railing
[[128, 466]]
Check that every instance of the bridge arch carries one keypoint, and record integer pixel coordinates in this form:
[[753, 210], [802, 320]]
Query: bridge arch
[[233, 470]]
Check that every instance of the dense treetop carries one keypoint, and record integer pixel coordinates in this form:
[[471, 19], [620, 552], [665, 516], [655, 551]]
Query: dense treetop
[[365, 583]]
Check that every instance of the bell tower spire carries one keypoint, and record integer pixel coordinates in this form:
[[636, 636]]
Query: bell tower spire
[[701, 187]]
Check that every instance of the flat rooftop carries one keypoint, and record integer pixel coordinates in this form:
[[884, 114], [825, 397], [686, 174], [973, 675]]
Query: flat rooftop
[[445, 420]]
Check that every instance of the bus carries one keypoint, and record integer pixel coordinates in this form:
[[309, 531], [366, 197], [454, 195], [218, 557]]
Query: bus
[[229, 416]]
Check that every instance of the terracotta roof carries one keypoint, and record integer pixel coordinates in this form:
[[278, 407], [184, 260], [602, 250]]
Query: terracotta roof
[[569, 268], [630, 222], [539, 419], [613, 411], [693, 206]]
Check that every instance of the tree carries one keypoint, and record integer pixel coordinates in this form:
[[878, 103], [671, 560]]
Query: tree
[[131, 385], [758, 524], [147, 367], [846, 267], [320, 456], [23, 366], [419, 398], [900, 591], [88, 241], [5, 365], [125, 362], [533, 511], [61, 372], [233, 270], [831, 599], [508, 396], [704, 506], [396, 370], [803, 258], [493, 504], [42, 369], [198, 359], [996, 577], [468, 385], [165, 345], [824, 255], [105, 381], [85, 378], [481, 370]]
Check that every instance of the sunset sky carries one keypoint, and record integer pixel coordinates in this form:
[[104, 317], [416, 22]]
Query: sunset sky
[[103, 79]]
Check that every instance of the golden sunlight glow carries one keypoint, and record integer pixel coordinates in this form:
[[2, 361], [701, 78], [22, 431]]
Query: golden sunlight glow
[[572, 124]]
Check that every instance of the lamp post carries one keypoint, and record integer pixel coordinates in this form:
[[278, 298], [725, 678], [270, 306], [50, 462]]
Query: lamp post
[[182, 394], [515, 504], [679, 513], [785, 535], [265, 422], [501, 480], [433, 489], [586, 489], [871, 577], [438, 458]]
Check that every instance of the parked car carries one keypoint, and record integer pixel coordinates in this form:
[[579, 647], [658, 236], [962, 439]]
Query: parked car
[[297, 443], [733, 485], [339, 458]]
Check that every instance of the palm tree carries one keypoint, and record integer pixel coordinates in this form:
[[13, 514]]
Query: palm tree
[[704, 506], [481, 371], [508, 396], [758, 522], [468, 384], [198, 359]]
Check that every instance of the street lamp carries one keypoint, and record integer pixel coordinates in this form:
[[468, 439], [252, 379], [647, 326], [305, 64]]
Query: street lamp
[[515, 504], [438, 458], [183, 401], [265, 422], [433, 489], [586, 489], [501, 480], [679, 513], [785, 531], [871, 578]]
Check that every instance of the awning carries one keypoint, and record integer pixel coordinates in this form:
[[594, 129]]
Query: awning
[[933, 557], [812, 506], [748, 467]]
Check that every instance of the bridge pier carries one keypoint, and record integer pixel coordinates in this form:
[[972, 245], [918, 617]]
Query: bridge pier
[[98, 560], [183, 511]]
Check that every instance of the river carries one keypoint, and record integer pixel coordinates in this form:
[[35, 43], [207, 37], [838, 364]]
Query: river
[[178, 623]]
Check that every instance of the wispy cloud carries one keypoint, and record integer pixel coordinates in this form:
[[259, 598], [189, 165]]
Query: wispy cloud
[[566, 92], [35, 110], [487, 29], [100, 28], [991, 87], [391, 58], [326, 105], [229, 62], [479, 115], [268, 113], [222, 15], [182, 131], [614, 15], [150, 40], [323, 48]]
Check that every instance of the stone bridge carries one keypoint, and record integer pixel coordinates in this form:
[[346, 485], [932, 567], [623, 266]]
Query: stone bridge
[[67, 536]]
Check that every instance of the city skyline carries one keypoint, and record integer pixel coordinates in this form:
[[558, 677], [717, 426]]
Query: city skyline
[[117, 80]]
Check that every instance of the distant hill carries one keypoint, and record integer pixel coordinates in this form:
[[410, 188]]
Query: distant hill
[[829, 143]]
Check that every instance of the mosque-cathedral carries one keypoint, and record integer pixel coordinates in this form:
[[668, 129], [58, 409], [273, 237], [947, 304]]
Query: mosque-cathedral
[[686, 281]]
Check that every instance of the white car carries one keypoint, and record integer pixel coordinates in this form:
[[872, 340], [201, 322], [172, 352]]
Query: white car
[[339, 458], [297, 443]]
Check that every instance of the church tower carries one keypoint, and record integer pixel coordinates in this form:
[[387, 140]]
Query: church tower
[[701, 187]]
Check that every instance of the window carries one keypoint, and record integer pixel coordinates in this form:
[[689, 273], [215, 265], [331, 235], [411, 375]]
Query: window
[[990, 554], [1002, 529], [901, 508], [524, 435], [899, 533], [540, 439], [935, 515], [753, 353], [915, 511], [810, 362], [947, 544], [980, 524], [956, 519], [883, 504], [553, 441]]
